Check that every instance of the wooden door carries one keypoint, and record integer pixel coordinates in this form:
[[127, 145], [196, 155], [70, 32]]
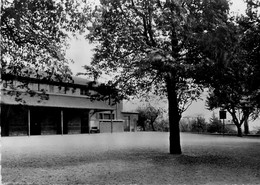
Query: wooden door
[[35, 126], [85, 121]]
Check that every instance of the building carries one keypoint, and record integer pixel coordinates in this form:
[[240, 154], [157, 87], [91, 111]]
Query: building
[[130, 121], [32, 106]]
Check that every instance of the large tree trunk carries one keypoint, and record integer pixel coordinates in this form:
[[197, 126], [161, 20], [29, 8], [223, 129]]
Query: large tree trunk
[[246, 127], [239, 131], [152, 125], [144, 127], [174, 117], [236, 122]]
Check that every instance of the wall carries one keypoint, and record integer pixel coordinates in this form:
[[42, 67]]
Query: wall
[[105, 126]]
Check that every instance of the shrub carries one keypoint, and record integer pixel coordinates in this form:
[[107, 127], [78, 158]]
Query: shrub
[[199, 125], [215, 125], [162, 125], [229, 130], [184, 125], [258, 131]]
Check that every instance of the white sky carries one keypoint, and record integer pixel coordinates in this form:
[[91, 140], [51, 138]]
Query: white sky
[[81, 52]]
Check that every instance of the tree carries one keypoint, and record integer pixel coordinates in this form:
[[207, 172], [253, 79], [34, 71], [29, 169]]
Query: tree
[[215, 124], [199, 124], [148, 115], [156, 46], [235, 84], [35, 35]]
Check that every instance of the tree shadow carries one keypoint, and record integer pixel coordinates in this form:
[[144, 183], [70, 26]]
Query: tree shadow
[[208, 159]]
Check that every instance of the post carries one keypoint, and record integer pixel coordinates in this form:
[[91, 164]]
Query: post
[[111, 121], [129, 122], [29, 121], [89, 122], [61, 121], [99, 126], [223, 126]]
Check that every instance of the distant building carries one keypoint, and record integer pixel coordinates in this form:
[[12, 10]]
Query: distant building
[[52, 107], [130, 119]]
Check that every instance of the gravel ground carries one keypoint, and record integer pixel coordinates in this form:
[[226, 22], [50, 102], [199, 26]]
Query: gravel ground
[[129, 158]]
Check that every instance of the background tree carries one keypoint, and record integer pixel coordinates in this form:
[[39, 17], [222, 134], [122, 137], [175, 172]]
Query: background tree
[[148, 115], [215, 124], [35, 35], [199, 124], [235, 85], [156, 46]]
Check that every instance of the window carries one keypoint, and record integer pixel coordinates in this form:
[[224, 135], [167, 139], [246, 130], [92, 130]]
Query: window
[[84, 91], [62, 90], [5, 84], [33, 86], [43, 87], [51, 88], [106, 116], [73, 90]]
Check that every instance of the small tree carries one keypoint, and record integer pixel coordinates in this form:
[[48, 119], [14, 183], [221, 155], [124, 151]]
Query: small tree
[[185, 125], [214, 125], [162, 125], [199, 125], [235, 79], [148, 115]]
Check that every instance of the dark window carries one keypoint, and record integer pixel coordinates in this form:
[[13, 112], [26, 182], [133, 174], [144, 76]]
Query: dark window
[[106, 116], [5, 84], [51, 88], [84, 92], [62, 90]]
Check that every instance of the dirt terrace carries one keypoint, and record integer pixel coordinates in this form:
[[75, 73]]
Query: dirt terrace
[[129, 158]]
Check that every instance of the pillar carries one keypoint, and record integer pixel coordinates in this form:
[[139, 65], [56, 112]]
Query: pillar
[[111, 118], [61, 121], [29, 121], [89, 122]]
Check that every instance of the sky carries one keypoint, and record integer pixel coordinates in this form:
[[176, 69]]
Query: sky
[[81, 52]]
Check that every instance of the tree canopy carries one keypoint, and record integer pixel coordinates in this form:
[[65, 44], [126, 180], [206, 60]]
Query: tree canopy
[[148, 115], [235, 84], [157, 46], [35, 35]]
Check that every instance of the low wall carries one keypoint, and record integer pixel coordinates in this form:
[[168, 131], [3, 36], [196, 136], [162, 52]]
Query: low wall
[[106, 127]]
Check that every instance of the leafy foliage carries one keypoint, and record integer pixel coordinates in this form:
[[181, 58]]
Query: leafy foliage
[[236, 86], [35, 35], [156, 46], [184, 125], [144, 41], [199, 125], [162, 125], [215, 125], [147, 116]]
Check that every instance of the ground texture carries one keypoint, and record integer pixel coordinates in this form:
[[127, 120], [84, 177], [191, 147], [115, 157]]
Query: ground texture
[[129, 158]]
